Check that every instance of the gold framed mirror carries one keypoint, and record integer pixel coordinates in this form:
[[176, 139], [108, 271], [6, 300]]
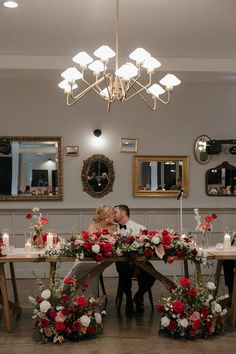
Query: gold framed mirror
[[160, 176], [221, 181], [98, 175], [200, 154], [31, 168]]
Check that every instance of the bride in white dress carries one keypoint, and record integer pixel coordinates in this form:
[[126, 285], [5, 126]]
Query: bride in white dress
[[103, 220]]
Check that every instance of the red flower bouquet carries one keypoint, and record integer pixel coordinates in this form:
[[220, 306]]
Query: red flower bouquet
[[191, 312], [37, 223], [61, 314]]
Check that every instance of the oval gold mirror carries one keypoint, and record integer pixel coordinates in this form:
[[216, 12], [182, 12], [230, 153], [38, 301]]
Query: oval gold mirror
[[98, 175], [200, 153]]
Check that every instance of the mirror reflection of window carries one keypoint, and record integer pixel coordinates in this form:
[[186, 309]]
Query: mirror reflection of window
[[160, 175], [29, 167]]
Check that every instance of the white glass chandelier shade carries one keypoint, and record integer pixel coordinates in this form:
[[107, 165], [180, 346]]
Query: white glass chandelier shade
[[72, 74], [118, 82], [155, 90], [104, 53], [151, 64], [83, 59], [66, 86], [170, 81], [97, 66], [127, 71], [139, 55]]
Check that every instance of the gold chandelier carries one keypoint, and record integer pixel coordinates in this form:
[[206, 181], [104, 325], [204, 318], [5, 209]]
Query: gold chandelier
[[128, 81]]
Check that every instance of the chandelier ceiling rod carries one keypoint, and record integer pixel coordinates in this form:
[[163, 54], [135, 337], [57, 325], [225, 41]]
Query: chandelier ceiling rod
[[127, 82]]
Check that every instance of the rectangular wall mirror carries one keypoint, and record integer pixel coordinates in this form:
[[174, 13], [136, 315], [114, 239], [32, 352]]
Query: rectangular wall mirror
[[160, 176], [31, 168]]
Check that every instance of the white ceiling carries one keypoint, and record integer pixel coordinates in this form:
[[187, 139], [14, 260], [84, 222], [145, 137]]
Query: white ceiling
[[196, 38]]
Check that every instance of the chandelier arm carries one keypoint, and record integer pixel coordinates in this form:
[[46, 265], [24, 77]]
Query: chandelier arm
[[168, 97], [111, 100], [154, 106], [136, 91], [136, 81], [83, 93]]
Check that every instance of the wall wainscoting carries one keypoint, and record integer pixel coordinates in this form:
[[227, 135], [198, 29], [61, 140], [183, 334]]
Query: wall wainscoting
[[66, 221]]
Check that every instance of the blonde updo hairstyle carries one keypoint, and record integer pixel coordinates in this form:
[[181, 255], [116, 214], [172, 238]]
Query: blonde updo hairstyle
[[102, 213]]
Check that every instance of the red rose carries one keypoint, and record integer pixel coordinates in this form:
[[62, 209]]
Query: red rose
[[99, 258], [73, 238], [205, 311], [91, 330], [160, 308], [194, 252], [165, 233], [52, 314], [192, 292], [44, 220], [64, 298], [28, 216], [69, 280], [44, 323], [208, 219], [185, 282], [170, 259], [81, 301], [180, 253], [219, 319], [39, 299], [87, 245], [60, 326], [64, 311], [178, 306], [214, 216], [85, 235], [147, 252], [144, 232], [129, 240], [107, 247], [172, 325], [76, 326], [105, 232], [196, 324]]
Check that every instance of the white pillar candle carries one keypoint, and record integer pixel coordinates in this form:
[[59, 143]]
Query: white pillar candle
[[28, 246], [49, 240], [227, 241], [5, 239]]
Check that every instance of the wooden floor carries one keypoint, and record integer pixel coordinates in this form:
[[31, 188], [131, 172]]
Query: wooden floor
[[136, 334]]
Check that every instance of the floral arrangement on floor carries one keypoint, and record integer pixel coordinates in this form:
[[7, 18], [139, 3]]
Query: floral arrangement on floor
[[37, 222], [191, 312], [61, 314], [102, 245], [204, 226]]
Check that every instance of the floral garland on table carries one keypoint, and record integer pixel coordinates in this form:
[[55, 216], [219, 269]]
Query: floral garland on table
[[37, 222], [149, 244], [191, 312], [62, 315]]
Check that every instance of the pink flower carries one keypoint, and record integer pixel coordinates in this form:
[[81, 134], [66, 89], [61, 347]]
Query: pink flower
[[195, 316]]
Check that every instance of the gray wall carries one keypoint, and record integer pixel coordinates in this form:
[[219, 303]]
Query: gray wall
[[37, 107]]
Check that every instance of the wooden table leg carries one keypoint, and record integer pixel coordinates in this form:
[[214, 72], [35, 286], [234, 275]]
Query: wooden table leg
[[13, 280], [232, 316], [186, 271], [52, 271], [217, 275], [6, 307]]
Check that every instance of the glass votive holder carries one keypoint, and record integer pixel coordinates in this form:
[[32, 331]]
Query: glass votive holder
[[5, 237], [28, 241], [219, 246], [227, 237]]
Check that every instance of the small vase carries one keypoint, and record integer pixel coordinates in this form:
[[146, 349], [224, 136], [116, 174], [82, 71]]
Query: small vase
[[38, 241], [205, 239]]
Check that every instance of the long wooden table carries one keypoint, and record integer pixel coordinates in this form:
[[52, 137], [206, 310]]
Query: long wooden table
[[16, 257]]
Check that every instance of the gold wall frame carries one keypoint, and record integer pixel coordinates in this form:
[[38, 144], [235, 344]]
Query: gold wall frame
[[95, 168], [24, 151], [160, 176]]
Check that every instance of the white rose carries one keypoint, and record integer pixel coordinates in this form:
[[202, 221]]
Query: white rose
[[183, 322], [46, 294], [210, 286], [165, 321], [155, 240], [45, 306], [85, 320], [217, 308], [98, 318], [96, 248], [223, 312]]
